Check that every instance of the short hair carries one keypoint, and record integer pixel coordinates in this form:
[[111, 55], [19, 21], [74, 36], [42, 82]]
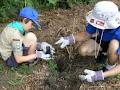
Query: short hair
[[19, 18]]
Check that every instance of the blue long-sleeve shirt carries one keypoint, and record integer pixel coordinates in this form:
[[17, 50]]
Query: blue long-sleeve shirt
[[108, 34]]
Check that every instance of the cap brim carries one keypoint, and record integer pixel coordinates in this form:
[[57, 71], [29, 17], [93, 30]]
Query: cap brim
[[40, 26], [92, 20], [37, 25]]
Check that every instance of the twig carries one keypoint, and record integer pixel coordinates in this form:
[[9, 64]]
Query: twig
[[59, 30], [74, 23], [73, 29], [68, 52]]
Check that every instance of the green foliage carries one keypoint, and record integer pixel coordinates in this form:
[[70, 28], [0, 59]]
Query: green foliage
[[52, 65], [90, 2], [14, 78], [54, 2], [118, 76], [1, 68], [65, 3], [72, 3], [24, 69], [10, 8], [17, 76], [100, 66], [29, 3], [53, 69]]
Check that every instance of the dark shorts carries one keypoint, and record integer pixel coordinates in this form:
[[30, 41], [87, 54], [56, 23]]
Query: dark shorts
[[11, 61], [104, 44]]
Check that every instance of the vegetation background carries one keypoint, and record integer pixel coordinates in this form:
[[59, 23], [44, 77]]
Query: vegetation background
[[9, 8]]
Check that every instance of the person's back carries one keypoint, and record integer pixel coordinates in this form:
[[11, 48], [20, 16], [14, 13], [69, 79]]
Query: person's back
[[7, 36]]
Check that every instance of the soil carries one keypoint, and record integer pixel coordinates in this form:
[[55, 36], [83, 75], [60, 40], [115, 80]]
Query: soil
[[70, 64]]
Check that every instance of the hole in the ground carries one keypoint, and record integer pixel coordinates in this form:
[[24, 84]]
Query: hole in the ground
[[62, 64]]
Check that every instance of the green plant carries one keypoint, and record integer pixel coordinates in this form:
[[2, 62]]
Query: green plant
[[100, 66], [17, 76], [24, 69], [118, 77], [14, 78], [53, 2], [72, 3], [90, 2], [52, 65], [1, 68], [10, 8], [29, 3], [53, 69]]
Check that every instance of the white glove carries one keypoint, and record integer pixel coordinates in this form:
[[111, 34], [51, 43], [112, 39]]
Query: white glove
[[41, 54], [92, 75], [44, 46], [64, 41]]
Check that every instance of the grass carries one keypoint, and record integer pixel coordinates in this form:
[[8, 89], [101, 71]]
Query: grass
[[15, 76], [18, 76], [1, 68], [118, 76], [53, 69], [23, 69]]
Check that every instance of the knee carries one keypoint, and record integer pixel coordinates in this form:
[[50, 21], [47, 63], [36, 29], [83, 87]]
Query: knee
[[82, 51], [30, 39], [113, 46], [31, 36]]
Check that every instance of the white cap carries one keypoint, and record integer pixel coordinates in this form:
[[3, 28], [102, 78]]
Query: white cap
[[105, 15]]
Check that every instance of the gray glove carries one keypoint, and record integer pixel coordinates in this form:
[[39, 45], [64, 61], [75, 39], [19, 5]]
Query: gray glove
[[46, 48], [92, 76], [64, 41], [42, 55]]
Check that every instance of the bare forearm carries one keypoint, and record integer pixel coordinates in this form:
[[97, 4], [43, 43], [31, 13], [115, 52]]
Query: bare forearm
[[82, 36], [21, 59], [112, 72]]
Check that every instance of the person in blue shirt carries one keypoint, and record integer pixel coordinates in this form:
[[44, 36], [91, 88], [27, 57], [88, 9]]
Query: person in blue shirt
[[102, 35]]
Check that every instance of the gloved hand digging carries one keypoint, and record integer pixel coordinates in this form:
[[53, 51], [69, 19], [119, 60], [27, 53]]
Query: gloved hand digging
[[92, 76], [64, 41], [46, 48], [42, 55], [39, 54]]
